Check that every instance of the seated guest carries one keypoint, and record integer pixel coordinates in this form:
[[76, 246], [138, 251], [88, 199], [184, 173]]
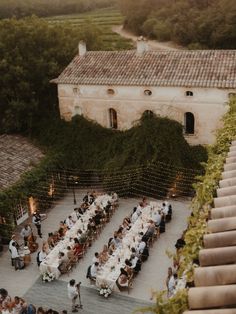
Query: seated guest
[[75, 215], [78, 248], [139, 208], [165, 208], [134, 216], [141, 247], [123, 279], [86, 198], [111, 248], [93, 270], [71, 255], [127, 220], [17, 305], [63, 228], [156, 217], [144, 256], [91, 224], [63, 262], [103, 257], [96, 258], [144, 201], [79, 234], [151, 229], [46, 247], [92, 197], [116, 241], [69, 222], [128, 268], [97, 218], [50, 241], [136, 263]]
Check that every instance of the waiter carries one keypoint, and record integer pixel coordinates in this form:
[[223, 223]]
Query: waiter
[[37, 222]]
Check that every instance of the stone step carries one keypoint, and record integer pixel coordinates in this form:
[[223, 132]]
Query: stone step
[[229, 174], [217, 256], [230, 160], [227, 191], [215, 275], [219, 239], [221, 225], [232, 148], [225, 201], [231, 153], [223, 212], [229, 167], [212, 297], [227, 182], [215, 311]]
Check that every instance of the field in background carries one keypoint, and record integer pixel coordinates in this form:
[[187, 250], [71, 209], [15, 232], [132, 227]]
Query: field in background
[[102, 18]]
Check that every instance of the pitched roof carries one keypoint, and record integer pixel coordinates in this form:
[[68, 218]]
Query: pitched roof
[[17, 155], [197, 68]]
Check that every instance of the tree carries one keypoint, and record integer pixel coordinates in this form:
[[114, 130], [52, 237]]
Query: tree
[[32, 53]]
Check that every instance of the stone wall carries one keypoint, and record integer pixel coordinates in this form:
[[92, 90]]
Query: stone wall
[[207, 104]]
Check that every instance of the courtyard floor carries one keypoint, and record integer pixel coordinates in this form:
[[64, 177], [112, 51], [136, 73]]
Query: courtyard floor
[[27, 282]]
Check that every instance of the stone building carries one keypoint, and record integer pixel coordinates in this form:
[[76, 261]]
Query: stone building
[[115, 88]]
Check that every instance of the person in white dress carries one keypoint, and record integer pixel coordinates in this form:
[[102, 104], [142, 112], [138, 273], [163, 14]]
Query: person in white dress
[[72, 292]]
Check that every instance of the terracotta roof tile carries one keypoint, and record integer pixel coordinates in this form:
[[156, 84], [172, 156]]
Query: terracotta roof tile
[[198, 68]]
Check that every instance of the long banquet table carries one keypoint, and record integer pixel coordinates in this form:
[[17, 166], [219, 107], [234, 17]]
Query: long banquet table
[[51, 262], [110, 271]]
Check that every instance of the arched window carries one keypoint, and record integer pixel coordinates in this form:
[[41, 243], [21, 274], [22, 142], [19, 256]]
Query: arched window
[[110, 91], [113, 118], [78, 110], [148, 113], [189, 123], [147, 92], [189, 93]]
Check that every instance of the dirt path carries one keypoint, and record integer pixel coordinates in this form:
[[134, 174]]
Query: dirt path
[[153, 44]]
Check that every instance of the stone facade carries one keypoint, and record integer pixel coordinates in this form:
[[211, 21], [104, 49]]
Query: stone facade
[[114, 88], [93, 102]]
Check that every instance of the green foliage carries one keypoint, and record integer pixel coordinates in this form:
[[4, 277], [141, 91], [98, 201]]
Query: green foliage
[[175, 305], [23, 8], [153, 139], [196, 24], [31, 54]]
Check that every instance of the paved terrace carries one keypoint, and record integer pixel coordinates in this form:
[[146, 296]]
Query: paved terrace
[[28, 283]]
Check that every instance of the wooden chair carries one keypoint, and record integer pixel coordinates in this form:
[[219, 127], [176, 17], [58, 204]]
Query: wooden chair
[[128, 287]]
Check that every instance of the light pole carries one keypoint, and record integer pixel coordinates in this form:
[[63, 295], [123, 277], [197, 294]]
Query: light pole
[[73, 189]]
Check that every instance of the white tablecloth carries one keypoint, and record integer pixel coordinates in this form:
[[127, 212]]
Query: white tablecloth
[[110, 271], [51, 262]]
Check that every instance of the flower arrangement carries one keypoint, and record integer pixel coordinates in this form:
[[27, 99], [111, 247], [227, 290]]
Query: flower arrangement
[[47, 277], [105, 291]]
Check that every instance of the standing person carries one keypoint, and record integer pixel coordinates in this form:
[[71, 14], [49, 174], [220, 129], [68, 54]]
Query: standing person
[[15, 256], [37, 222], [13, 240], [25, 233], [73, 294], [170, 283]]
